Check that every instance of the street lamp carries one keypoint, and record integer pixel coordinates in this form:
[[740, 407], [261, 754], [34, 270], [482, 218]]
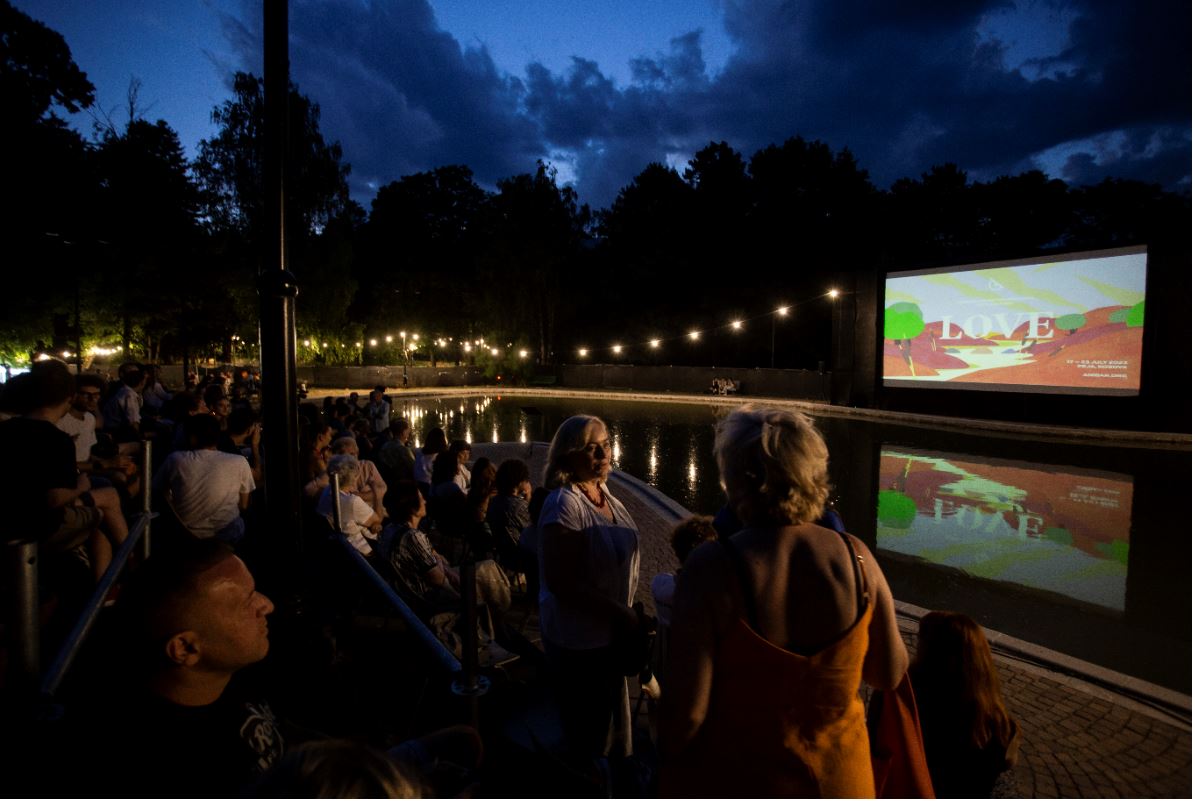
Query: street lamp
[[780, 312]]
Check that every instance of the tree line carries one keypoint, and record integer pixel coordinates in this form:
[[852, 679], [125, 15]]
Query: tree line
[[120, 240]]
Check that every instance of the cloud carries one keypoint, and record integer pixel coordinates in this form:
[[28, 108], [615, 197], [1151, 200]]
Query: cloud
[[904, 86]]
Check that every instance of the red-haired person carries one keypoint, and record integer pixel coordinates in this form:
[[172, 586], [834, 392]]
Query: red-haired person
[[970, 739]]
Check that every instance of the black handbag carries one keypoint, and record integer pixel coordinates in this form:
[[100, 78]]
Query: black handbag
[[631, 651]]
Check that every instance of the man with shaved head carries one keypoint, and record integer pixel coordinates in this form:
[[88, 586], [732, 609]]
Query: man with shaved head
[[193, 619]]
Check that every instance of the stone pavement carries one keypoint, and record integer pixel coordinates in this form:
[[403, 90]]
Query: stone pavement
[[1081, 738]]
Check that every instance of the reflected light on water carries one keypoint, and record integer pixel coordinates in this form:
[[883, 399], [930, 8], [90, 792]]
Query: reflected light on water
[[494, 438], [469, 435], [523, 434]]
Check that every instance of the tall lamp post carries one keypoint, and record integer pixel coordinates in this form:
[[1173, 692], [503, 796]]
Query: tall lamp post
[[780, 312]]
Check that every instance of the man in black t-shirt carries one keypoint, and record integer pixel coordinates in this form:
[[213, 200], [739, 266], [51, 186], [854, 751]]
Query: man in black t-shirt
[[44, 495]]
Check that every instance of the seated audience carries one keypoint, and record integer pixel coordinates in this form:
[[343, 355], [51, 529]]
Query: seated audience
[[358, 521], [243, 438], [369, 485], [435, 444], [423, 570], [970, 739], [207, 489], [508, 513], [122, 412], [338, 769], [396, 457]]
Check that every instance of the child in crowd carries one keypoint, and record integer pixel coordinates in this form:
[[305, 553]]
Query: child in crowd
[[685, 538]]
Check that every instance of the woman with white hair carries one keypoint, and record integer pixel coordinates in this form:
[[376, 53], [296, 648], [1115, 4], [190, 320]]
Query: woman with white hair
[[772, 630], [589, 571], [358, 521]]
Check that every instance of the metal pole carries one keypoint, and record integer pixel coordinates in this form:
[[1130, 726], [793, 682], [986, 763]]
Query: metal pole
[[277, 288], [147, 463], [22, 558], [336, 515], [773, 341]]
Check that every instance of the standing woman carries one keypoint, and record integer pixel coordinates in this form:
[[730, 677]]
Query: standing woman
[[772, 630], [589, 571]]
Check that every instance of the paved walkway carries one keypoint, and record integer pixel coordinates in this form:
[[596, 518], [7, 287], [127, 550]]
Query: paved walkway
[[1080, 739]]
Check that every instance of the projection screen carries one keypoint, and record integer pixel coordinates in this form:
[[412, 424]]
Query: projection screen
[[1069, 324]]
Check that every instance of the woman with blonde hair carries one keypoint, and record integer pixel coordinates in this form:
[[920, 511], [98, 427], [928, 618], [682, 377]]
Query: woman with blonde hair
[[772, 630], [970, 739], [589, 571]]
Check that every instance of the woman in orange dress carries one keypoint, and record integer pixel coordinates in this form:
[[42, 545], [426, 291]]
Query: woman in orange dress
[[773, 629]]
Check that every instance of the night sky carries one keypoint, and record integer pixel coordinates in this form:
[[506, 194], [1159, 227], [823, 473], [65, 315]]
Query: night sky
[[1082, 89]]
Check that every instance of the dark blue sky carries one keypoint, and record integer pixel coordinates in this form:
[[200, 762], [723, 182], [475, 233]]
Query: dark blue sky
[[1082, 89]]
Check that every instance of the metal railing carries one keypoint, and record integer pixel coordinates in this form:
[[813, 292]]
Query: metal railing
[[436, 649]]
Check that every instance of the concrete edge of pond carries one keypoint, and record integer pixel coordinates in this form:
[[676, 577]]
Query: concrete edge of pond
[[1088, 436]]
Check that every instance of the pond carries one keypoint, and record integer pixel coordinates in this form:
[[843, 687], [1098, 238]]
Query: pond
[[1082, 548]]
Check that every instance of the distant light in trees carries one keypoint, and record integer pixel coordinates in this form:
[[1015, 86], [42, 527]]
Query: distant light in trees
[[584, 352], [737, 325], [307, 343], [415, 337], [782, 311], [468, 347], [522, 354], [493, 351], [389, 338], [655, 343], [694, 335], [833, 294], [618, 348]]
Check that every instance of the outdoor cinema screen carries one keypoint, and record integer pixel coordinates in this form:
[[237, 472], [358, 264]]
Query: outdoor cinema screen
[[1067, 324]]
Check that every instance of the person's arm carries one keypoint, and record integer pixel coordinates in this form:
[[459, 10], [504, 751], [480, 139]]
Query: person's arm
[[63, 496], [887, 658], [255, 448], [244, 501], [700, 610]]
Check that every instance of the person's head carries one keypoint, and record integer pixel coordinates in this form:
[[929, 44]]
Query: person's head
[[195, 606], [483, 474], [955, 664], [341, 410], [89, 388], [511, 476], [774, 466], [336, 769], [400, 430], [691, 533], [183, 405], [579, 452], [212, 397], [436, 441], [405, 502], [361, 428], [134, 378], [459, 450], [240, 420], [49, 386], [345, 466], [345, 443], [375, 397], [446, 467], [202, 430]]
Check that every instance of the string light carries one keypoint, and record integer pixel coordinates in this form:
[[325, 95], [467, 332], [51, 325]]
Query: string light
[[373, 343], [584, 352], [695, 334], [522, 354], [389, 338]]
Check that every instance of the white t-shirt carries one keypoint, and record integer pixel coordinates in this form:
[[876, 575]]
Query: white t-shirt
[[123, 407], [82, 433], [205, 487], [611, 559], [354, 512]]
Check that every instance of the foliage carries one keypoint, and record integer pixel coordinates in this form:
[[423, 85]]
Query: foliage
[[903, 321], [1136, 316], [1071, 322]]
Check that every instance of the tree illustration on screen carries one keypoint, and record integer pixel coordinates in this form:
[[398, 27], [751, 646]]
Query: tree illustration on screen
[[1136, 316], [903, 322], [1070, 323]]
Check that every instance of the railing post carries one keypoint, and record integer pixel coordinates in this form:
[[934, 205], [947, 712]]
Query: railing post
[[26, 636], [146, 495], [335, 487]]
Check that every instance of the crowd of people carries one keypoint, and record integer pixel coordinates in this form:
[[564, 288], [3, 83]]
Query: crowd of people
[[772, 620]]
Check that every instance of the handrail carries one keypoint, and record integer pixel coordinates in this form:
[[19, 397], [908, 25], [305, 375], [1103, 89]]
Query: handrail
[[438, 650], [70, 648]]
